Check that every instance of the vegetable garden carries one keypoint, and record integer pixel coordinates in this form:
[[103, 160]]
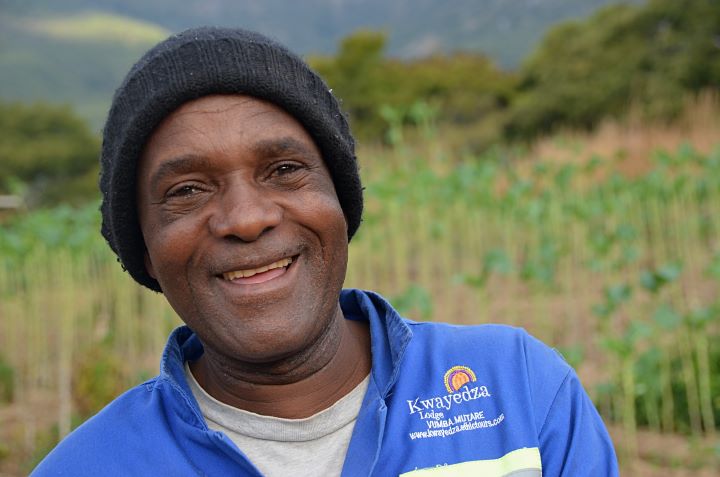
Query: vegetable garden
[[621, 274]]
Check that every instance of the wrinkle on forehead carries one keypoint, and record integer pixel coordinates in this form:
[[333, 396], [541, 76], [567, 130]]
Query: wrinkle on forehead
[[220, 104], [232, 114], [217, 103]]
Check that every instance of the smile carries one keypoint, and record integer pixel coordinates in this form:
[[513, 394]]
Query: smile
[[279, 266]]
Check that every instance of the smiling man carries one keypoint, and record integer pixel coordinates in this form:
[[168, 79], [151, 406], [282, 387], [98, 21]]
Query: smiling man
[[230, 185]]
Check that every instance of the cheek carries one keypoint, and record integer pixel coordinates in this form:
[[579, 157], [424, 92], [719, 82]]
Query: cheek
[[329, 221], [170, 249], [333, 236], [171, 253]]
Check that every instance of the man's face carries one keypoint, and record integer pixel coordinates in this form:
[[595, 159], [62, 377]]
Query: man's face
[[243, 228]]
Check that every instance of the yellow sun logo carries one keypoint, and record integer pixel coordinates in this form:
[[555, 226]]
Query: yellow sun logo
[[457, 377]]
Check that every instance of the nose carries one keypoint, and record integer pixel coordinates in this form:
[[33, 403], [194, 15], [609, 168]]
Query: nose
[[245, 212]]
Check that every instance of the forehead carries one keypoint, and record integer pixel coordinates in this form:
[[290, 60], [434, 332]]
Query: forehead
[[222, 124]]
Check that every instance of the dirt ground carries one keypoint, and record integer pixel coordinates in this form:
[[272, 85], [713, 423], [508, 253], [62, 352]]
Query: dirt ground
[[22, 425], [662, 455]]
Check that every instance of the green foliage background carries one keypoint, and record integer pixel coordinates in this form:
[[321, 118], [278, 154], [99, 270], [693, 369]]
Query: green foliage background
[[47, 154], [650, 57]]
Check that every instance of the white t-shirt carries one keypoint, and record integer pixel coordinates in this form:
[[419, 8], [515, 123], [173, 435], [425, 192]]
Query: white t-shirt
[[312, 446]]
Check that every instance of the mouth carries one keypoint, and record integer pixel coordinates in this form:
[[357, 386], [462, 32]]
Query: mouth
[[260, 274]]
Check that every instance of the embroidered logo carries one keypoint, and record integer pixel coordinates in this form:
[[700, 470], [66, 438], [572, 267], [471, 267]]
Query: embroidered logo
[[457, 377], [457, 411]]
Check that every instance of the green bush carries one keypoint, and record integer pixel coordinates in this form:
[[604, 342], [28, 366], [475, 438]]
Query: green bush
[[652, 56], [99, 377], [48, 148]]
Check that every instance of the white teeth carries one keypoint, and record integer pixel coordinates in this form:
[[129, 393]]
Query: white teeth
[[253, 271]]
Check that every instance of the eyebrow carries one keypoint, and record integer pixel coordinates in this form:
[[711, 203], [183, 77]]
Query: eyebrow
[[191, 162], [177, 165], [280, 146]]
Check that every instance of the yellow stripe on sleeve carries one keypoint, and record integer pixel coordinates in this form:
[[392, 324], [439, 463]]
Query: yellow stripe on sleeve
[[518, 460]]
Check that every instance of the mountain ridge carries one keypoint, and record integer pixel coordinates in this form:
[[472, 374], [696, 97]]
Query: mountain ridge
[[81, 71], [505, 30]]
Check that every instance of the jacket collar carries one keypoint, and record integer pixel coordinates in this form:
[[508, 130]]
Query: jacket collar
[[389, 334]]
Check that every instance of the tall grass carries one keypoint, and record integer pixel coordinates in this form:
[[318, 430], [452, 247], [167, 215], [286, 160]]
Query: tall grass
[[622, 275]]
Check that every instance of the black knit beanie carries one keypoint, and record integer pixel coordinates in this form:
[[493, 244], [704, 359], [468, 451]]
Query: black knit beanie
[[200, 62]]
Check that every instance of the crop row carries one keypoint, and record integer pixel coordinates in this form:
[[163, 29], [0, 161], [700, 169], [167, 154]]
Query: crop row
[[621, 274]]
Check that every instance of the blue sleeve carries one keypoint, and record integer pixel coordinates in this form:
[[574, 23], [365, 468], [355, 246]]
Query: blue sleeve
[[573, 438]]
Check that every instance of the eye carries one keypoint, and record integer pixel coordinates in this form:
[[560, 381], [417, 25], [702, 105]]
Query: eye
[[286, 168], [183, 190]]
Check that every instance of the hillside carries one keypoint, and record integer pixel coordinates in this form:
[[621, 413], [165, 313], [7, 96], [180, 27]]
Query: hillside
[[77, 60], [76, 51], [504, 29]]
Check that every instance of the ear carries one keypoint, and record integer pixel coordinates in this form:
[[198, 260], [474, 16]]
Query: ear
[[149, 266]]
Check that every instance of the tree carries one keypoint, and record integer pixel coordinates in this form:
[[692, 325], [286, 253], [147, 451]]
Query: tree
[[48, 149], [652, 56], [382, 93], [356, 76]]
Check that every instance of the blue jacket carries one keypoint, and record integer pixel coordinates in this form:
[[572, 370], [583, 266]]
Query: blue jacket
[[442, 400]]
